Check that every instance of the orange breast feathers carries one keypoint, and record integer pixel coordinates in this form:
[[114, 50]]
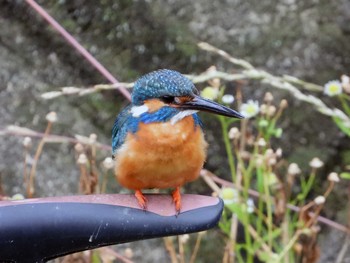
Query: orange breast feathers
[[161, 155]]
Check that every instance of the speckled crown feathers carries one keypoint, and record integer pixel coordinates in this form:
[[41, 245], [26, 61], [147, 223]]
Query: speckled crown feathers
[[160, 83]]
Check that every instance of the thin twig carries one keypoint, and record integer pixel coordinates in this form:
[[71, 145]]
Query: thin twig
[[344, 248], [181, 250], [50, 138], [72, 41], [196, 247], [30, 185], [169, 245]]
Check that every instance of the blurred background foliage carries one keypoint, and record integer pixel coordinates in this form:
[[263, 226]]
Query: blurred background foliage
[[306, 39]]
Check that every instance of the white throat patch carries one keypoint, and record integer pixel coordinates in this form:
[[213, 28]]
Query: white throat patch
[[181, 115], [138, 110]]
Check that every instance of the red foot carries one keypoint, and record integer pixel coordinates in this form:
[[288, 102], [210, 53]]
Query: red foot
[[141, 199], [177, 199]]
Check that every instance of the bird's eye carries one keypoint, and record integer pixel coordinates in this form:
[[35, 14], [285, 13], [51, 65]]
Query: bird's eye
[[168, 99]]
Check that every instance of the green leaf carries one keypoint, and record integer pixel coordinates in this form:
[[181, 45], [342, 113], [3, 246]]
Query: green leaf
[[345, 175], [240, 210], [338, 121]]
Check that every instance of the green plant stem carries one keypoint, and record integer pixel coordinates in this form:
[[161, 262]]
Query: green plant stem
[[259, 225], [231, 160], [306, 188], [344, 104], [269, 211], [287, 247]]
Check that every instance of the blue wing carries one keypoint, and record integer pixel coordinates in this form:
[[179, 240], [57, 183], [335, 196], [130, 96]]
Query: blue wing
[[120, 129]]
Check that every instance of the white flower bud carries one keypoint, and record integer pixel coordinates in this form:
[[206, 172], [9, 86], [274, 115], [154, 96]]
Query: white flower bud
[[271, 110], [316, 163], [283, 104], [228, 99], [250, 205], [261, 142], [51, 117], [27, 142], [333, 177], [293, 169], [108, 163], [268, 97], [82, 159], [279, 152], [320, 200], [234, 133]]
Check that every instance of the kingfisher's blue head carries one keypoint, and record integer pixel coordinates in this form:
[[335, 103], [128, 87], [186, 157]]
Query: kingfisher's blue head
[[177, 92]]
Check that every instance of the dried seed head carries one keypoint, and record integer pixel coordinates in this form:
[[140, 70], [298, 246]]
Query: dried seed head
[[320, 200], [283, 104], [263, 108], [51, 117], [268, 97], [271, 110], [82, 159], [333, 177], [245, 155], [27, 142], [79, 148], [269, 153], [261, 142], [279, 152], [272, 161], [293, 169], [108, 163], [316, 163], [92, 138], [234, 133]]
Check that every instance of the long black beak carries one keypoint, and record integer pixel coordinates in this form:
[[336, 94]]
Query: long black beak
[[202, 104]]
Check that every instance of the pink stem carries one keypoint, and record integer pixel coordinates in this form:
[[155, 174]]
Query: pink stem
[[79, 47]]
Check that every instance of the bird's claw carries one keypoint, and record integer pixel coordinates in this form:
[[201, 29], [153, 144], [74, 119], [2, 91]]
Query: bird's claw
[[177, 200], [141, 199]]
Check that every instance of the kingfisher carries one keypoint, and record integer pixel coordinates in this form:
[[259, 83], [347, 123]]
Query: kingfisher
[[158, 140]]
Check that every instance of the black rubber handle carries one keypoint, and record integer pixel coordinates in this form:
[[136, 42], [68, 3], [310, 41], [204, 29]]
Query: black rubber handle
[[39, 231]]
